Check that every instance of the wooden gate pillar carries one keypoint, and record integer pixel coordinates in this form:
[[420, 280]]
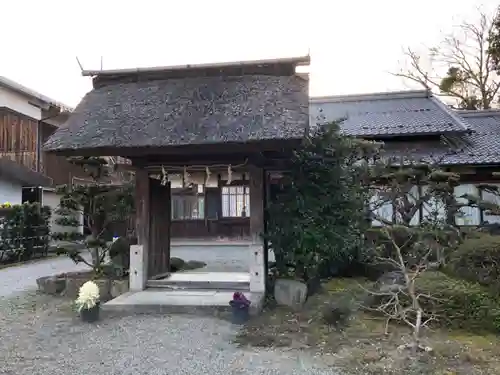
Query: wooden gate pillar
[[139, 252]]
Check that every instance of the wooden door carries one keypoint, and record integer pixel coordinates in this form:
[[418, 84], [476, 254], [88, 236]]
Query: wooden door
[[159, 226]]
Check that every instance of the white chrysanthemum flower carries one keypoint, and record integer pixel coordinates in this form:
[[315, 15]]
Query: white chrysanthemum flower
[[88, 296]]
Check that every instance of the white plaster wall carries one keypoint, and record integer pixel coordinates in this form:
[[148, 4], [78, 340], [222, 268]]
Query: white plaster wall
[[50, 198], [10, 191], [18, 103]]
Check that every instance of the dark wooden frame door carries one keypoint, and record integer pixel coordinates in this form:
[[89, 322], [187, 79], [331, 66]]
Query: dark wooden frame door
[[159, 227]]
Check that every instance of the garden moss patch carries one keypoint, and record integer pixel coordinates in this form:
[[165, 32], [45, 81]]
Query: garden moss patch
[[361, 347]]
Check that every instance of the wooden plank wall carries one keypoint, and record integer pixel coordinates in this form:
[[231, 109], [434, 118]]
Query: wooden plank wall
[[56, 166], [18, 138], [159, 227]]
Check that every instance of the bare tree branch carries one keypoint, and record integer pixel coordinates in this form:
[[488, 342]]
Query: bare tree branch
[[459, 67]]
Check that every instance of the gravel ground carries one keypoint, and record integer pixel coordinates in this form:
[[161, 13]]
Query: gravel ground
[[23, 277], [41, 335]]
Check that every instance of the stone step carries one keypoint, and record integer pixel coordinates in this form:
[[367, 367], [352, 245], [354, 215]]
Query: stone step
[[199, 280], [199, 285], [159, 300], [209, 243]]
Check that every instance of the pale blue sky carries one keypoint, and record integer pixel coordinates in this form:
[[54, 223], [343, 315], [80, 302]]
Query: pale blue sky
[[353, 44]]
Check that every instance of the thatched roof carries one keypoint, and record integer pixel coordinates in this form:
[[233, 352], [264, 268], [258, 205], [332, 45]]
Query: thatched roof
[[190, 105]]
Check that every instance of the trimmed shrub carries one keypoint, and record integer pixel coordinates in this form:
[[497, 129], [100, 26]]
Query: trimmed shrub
[[459, 303], [477, 259], [24, 232], [452, 302], [317, 214]]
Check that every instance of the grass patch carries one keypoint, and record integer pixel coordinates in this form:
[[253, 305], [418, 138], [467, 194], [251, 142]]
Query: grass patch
[[361, 347]]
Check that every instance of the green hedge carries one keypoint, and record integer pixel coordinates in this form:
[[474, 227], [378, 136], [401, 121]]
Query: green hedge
[[477, 259], [24, 232], [459, 303]]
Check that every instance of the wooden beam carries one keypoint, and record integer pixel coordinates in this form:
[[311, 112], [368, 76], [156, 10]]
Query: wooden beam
[[142, 204], [256, 203]]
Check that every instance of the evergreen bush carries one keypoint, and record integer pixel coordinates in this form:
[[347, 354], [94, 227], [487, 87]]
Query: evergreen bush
[[101, 203], [25, 232], [317, 219], [478, 260], [458, 303]]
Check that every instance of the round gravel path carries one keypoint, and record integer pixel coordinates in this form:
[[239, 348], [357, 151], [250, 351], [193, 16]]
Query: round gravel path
[[218, 258], [23, 277], [41, 335]]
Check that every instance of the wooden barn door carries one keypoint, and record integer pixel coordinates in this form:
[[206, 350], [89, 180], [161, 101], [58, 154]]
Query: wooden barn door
[[159, 235]]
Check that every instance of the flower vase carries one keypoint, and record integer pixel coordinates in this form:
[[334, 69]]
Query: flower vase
[[90, 315]]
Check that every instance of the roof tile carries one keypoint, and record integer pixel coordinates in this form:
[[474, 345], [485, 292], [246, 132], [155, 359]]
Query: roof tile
[[387, 114]]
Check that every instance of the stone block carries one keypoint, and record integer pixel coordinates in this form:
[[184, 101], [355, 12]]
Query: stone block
[[291, 293], [73, 285], [193, 265], [119, 287], [176, 264], [138, 262], [51, 285], [104, 289], [257, 268]]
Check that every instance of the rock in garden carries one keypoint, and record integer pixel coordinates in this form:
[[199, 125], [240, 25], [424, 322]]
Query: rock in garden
[[104, 289], [51, 285], [119, 287], [337, 314], [194, 264], [176, 264], [73, 285], [290, 293], [390, 282]]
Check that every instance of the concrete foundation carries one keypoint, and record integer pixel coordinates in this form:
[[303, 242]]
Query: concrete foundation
[[211, 302], [138, 262]]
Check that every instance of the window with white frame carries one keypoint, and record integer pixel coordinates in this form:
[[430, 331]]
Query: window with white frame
[[492, 198], [412, 196], [467, 215], [433, 209], [380, 207], [235, 201]]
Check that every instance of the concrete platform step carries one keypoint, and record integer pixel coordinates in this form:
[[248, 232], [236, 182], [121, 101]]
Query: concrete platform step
[[204, 302], [232, 281], [208, 243], [199, 285]]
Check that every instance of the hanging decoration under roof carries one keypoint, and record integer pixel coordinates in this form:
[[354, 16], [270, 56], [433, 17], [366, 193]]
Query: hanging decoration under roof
[[229, 175], [186, 176], [164, 176], [207, 175]]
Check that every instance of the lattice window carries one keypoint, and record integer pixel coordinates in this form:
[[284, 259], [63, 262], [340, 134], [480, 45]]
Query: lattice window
[[188, 207], [235, 201]]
